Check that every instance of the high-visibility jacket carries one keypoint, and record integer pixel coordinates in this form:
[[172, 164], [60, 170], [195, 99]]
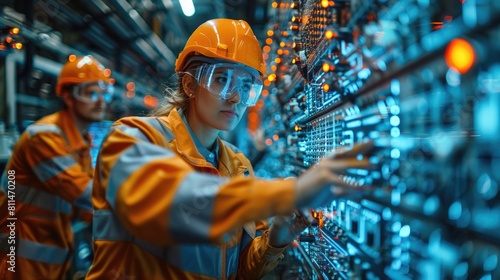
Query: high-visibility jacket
[[161, 211], [48, 176]]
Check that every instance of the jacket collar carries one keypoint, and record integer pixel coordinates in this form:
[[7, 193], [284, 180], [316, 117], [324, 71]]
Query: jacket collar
[[210, 156], [229, 163], [75, 139], [185, 144]]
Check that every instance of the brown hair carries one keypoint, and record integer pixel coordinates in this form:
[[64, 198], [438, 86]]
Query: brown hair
[[174, 98]]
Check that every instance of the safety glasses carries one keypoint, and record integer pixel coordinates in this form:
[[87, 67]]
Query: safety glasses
[[81, 94], [225, 80]]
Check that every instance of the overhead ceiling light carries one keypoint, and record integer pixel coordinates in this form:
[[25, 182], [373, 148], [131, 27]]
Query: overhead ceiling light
[[187, 7]]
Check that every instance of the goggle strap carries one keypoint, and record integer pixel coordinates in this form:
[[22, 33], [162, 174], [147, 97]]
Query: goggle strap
[[199, 71]]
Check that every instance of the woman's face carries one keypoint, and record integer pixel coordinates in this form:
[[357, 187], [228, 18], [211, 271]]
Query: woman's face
[[222, 95], [212, 111]]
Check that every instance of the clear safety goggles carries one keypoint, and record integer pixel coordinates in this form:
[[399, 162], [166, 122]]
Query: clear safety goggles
[[92, 96], [225, 80]]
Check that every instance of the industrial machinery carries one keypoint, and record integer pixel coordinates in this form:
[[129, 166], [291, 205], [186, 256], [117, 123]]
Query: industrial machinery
[[419, 78]]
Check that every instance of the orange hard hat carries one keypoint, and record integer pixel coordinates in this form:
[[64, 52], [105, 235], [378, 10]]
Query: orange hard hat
[[226, 39], [85, 69]]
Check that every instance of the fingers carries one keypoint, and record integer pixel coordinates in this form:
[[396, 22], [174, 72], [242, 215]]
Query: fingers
[[291, 225], [298, 213], [345, 185], [306, 214], [343, 164], [345, 181], [357, 149], [300, 222], [305, 219]]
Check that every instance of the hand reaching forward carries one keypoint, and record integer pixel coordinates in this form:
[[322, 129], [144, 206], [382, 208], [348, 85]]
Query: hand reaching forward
[[284, 229], [323, 182]]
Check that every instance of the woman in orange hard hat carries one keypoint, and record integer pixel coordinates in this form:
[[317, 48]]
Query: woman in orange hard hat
[[50, 175], [174, 201]]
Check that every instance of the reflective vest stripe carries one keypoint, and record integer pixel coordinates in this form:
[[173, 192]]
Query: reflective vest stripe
[[38, 198], [132, 159], [53, 166], [38, 252], [41, 252], [106, 226], [84, 201], [132, 131], [160, 127], [34, 129], [192, 207]]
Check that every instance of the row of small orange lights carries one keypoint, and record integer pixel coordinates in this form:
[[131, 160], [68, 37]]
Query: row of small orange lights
[[324, 3], [130, 86], [15, 45], [281, 5], [269, 141], [266, 49], [459, 56], [327, 3], [253, 116], [284, 33], [329, 34], [14, 31], [281, 51], [148, 100], [253, 112]]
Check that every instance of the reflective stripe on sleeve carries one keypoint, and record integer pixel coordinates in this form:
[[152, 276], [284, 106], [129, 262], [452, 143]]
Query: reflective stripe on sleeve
[[130, 161], [53, 166], [41, 199], [132, 131], [84, 201], [192, 207], [154, 122], [39, 252], [160, 126], [34, 129], [106, 226]]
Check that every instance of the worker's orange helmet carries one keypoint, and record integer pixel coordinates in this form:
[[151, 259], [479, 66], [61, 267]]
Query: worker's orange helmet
[[226, 39], [79, 70]]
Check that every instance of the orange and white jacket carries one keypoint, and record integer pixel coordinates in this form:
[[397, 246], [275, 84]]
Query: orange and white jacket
[[53, 173], [161, 211]]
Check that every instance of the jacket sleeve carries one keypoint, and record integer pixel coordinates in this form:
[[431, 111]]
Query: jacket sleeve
[[57, 170], [160, 198], [259, 258]]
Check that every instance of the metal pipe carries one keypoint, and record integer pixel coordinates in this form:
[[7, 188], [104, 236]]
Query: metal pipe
[[10, 90]]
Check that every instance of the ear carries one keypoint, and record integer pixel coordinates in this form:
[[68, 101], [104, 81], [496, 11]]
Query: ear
[[67, 99], [188, 85]]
